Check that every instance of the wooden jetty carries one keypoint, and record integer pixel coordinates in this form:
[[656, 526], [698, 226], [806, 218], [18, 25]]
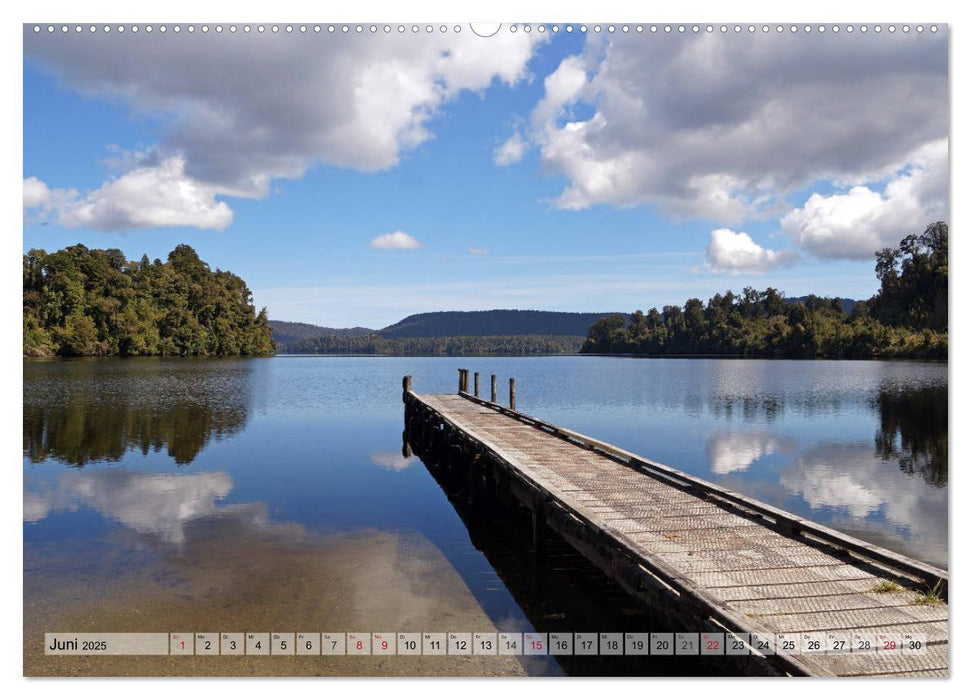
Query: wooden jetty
[[709, 558]]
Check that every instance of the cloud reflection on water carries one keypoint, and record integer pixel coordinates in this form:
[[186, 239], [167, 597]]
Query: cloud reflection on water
[[393, 461], [737, 451], [162, 505]]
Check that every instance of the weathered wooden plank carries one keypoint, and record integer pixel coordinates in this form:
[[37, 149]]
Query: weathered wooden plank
[[661, 512], [846, 601], [817, 589], [809, 574], [699, 521], [876, 619], [724, 542], [768, 560]]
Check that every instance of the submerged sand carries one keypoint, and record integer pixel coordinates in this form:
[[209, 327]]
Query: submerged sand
[[279, 580]]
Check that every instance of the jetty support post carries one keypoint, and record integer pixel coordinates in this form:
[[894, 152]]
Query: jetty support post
[[405, 387], [512, 393], [477, 385], [538, 530], [463, 381], [494, 395]]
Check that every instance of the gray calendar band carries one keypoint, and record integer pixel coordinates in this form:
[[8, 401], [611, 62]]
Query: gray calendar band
[[106, 644], [479, 643]]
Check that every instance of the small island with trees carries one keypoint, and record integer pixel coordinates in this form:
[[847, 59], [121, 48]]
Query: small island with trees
[[91, 302], [907, 318]]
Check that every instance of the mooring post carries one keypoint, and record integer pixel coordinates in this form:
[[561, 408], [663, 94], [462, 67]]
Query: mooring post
[[494, 396], [512, 393], [463, 386], [405, 386], [477, 385]]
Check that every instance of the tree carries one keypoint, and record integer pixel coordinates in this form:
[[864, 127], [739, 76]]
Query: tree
[[913, 281], [604, 334], [95, 302], [907, 318]]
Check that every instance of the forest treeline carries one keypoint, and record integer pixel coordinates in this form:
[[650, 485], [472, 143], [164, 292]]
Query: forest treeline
[[457, 346], [80, 301], [907, 318]]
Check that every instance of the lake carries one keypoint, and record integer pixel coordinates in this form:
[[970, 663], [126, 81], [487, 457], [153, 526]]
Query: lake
[[272, 494]]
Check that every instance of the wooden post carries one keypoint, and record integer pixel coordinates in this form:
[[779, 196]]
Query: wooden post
[[494, 395], [406, 383], [512, 393], [539, 533], [461, 380], [477, 385]]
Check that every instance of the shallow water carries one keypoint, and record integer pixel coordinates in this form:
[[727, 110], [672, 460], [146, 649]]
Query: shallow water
[[229, 488]]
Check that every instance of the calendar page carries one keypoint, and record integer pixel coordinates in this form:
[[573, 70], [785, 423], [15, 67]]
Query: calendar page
[[429, 348]]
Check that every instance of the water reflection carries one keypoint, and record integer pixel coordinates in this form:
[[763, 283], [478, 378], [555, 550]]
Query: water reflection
[[868, 488], [162, 506], [97, 411], [737, 451], [861, 447], [869, 495], [78, 433], [913, 431], [394, 461]]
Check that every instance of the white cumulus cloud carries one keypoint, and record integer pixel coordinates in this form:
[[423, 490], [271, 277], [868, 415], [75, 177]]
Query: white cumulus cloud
[[713, 128], [858, 222], [511, 151], [145, 197], [36, 193], [733, 252], [399, 240], [237, 111]]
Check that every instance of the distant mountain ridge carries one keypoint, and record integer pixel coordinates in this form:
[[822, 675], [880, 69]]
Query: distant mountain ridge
[[491, 323], [443, 332], [290, 332], [449, 324]]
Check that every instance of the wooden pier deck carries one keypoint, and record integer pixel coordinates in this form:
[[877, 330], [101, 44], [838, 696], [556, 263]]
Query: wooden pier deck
[[714, 559]]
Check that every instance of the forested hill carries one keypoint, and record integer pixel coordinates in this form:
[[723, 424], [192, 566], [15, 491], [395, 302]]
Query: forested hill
[[498, 322], [289, 332], [907, 318], [496, 332], [81, 301]]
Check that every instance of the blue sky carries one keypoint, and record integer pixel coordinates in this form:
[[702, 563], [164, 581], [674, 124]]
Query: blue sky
[[646, 169]]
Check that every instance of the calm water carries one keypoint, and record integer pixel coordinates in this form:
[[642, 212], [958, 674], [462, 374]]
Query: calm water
[[128, 463]]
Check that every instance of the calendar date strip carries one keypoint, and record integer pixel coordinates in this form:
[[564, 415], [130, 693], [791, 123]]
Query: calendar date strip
[[479, 643]]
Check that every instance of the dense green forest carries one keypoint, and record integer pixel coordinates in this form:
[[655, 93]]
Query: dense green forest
[[458, 346], [906, 318], [81, 301]]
